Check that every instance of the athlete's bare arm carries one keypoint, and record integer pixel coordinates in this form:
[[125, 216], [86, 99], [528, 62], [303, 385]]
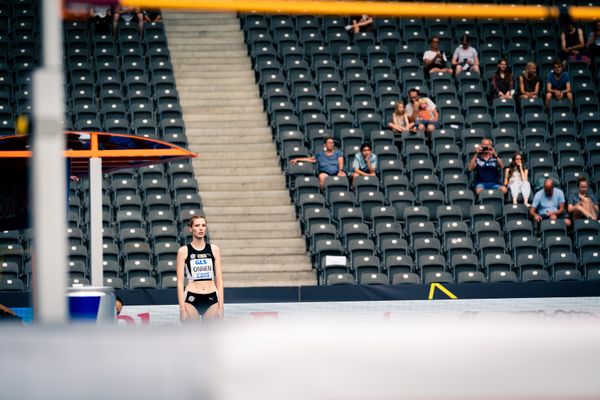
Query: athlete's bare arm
[[181, 256], [219, 279]]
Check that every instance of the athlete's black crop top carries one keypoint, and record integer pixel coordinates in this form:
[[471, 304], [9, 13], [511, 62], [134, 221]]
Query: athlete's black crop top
[[200, 264]]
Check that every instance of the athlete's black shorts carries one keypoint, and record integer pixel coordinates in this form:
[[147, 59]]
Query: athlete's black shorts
[[201, 301]]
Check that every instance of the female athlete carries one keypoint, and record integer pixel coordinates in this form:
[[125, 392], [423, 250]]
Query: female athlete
[[200, 263]]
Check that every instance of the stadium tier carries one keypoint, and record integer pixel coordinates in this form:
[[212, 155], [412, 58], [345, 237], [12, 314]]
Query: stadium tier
[[417, 220]]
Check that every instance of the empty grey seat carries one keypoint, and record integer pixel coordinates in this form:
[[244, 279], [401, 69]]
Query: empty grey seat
[[535, 275], [503, 277], [405, 278], [470, 277]]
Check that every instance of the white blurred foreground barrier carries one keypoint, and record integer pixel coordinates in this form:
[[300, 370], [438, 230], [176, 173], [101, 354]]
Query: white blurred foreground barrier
[[417, 359]]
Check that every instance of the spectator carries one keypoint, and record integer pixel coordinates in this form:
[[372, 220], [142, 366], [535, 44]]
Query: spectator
[[502, 82], [487, 166], [128, 14], [400, 122], [330, 161], [558, 84], [152, 15], [435, 60], [465, 57], [412, 108], [364, 23], [593, 43], [572, 44], [365, 163], [100, 18], [427, 118], [529, 82], [516, 179], [118, 305], [583, 204], [548, 203]]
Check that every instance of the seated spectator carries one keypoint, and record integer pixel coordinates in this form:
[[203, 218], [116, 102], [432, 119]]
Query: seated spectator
[[118, 305], [502, 83], [548, 203], [364, 23], [427, 118], [400, 121], [583, 204], [152, 15], [128, 14], [100, 18], [330, 161], [593, 42], [516, 179], [558, 84], [572, 44], [529, 82], [465, 57], [365, 163], [412, 107], [487, 167], [435, 59]]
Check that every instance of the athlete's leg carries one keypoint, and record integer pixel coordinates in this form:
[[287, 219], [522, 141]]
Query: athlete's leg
[[192, 313], [211, 312]]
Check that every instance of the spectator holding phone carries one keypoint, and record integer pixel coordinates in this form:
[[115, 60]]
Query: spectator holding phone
[[465, 57], [487, 167]]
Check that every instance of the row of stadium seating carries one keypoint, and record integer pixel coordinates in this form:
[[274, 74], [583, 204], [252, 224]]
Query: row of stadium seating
[[417, 220]]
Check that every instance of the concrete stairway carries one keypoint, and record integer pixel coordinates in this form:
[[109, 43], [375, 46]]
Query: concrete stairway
[[250, 215]]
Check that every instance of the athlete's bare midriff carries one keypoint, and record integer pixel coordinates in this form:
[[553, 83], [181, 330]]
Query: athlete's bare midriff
[[201, 287]]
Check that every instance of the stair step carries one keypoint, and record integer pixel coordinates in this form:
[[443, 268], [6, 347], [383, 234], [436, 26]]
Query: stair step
[[268, 234], [249, 210], [230, 42], [208, 152], [248, 118], [244, 165], [266, 268], [219, 57], [226, 103], [201, 74], [269, 279], [230, 140], [221, 94], [237, 186], [211, 132], [203, 29], [254, 226], [265, 217], [190, 65], [223, 200], [287, 259], [223, 110]]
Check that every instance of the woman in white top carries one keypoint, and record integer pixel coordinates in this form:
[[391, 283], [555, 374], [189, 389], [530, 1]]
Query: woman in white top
[[516, 179]]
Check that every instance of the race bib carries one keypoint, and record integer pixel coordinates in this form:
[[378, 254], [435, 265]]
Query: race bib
[[202, 268]]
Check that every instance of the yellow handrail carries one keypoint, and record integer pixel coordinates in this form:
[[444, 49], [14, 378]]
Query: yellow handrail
[[390, 9]]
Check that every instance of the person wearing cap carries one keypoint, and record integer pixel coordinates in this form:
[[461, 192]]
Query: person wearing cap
[[465, 57]]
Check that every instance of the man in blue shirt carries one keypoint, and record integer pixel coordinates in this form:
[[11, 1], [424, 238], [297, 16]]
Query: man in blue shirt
[[548, 203], [365, 163], [330, 161], [487, 166], [558, 84]]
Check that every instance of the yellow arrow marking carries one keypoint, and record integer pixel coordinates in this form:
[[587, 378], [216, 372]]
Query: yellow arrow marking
[[443, 289]]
